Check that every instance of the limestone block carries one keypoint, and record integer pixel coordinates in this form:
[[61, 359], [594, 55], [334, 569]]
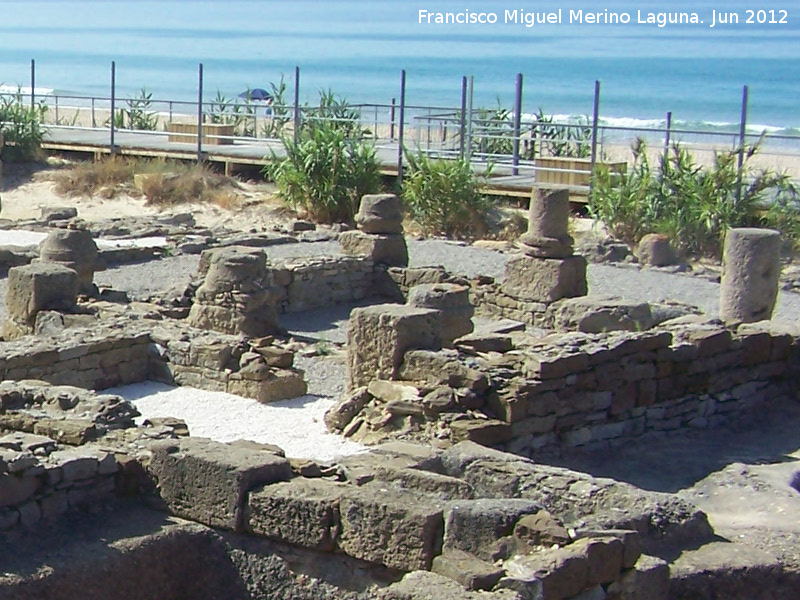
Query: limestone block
[[750, 273], [389, 527], [453, 302], [592, 314], [488, 432], [207, 481], [378, 337], [475, 525], [423, 585], [545, 280], [40, 286], [380, 213], [564, 572], [655, 249], [15, 489], [303, 512], [75, 249], [648, 580], [383, 249], [467, 569], [541, 529]]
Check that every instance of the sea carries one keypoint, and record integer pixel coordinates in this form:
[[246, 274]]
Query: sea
[[649, 57]]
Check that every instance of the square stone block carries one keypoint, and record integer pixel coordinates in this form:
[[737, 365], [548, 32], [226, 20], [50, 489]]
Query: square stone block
[[303, 512], [389, 527], [378, 337], [545, 279], [208, 482], [383, 249], [40, 286]]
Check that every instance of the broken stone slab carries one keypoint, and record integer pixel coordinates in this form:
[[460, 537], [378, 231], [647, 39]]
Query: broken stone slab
[[398, 529], [28, 442], [384, 249], [541, 529], [303, 512], [208, 481], [475, 343], [467, 569], [58, 213], [647, 580], [378, 337], [74, 432], [475, 526], [563, 572], [593, 314], [423, 585], [726, 570], [390, 391], [488, 432]]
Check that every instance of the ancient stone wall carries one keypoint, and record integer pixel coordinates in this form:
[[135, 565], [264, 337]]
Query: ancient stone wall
[[92, 358], [584, 390], [307, 283], [568, 390]]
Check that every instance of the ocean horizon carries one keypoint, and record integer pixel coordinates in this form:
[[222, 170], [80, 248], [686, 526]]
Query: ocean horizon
[[358, 48]]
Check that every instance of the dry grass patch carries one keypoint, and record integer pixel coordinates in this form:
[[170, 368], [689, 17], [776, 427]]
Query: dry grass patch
[[106, 178], [160, 182]]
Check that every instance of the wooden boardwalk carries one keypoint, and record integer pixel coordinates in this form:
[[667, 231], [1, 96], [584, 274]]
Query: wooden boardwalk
[[242, 153]]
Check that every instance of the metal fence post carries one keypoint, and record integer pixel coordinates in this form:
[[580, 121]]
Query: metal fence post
[[200, 113], [517, 124], [595, 123], [742, 140], [296, 132], [401, 127], [391, 119], [113, 148], [470, 92], [33, 84], [462, 127], [668, 133]]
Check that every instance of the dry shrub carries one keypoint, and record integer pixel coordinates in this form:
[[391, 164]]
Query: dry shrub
[[192, 184], [106, 178]]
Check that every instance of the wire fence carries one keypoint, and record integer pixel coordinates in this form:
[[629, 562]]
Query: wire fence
[[518, 144]]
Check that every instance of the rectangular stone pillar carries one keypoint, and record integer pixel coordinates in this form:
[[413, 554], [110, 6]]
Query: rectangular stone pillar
[[378, 337]]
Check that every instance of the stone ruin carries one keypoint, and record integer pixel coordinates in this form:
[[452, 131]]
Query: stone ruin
[[380, 233], [75, 249], [447, 504], [237, 295]]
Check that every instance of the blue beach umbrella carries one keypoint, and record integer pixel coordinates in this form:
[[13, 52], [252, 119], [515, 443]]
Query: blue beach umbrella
[[256, 94]]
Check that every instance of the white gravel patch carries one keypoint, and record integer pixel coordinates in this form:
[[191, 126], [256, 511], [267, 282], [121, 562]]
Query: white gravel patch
[[20, 237], [295, 425], [145, 242]]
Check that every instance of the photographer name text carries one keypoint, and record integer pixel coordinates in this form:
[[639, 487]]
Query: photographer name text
[[605, 17]]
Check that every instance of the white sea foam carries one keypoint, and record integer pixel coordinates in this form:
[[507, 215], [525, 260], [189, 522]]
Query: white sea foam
[[25, 90]]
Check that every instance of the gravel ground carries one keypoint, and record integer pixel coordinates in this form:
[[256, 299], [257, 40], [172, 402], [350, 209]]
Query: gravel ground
[[628, 282]]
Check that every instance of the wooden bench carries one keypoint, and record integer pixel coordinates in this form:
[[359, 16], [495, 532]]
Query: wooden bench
[[214, 134]]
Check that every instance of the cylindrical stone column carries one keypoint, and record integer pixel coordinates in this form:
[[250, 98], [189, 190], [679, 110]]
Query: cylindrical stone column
[[750, 272], [548, 215], [548, 225]]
